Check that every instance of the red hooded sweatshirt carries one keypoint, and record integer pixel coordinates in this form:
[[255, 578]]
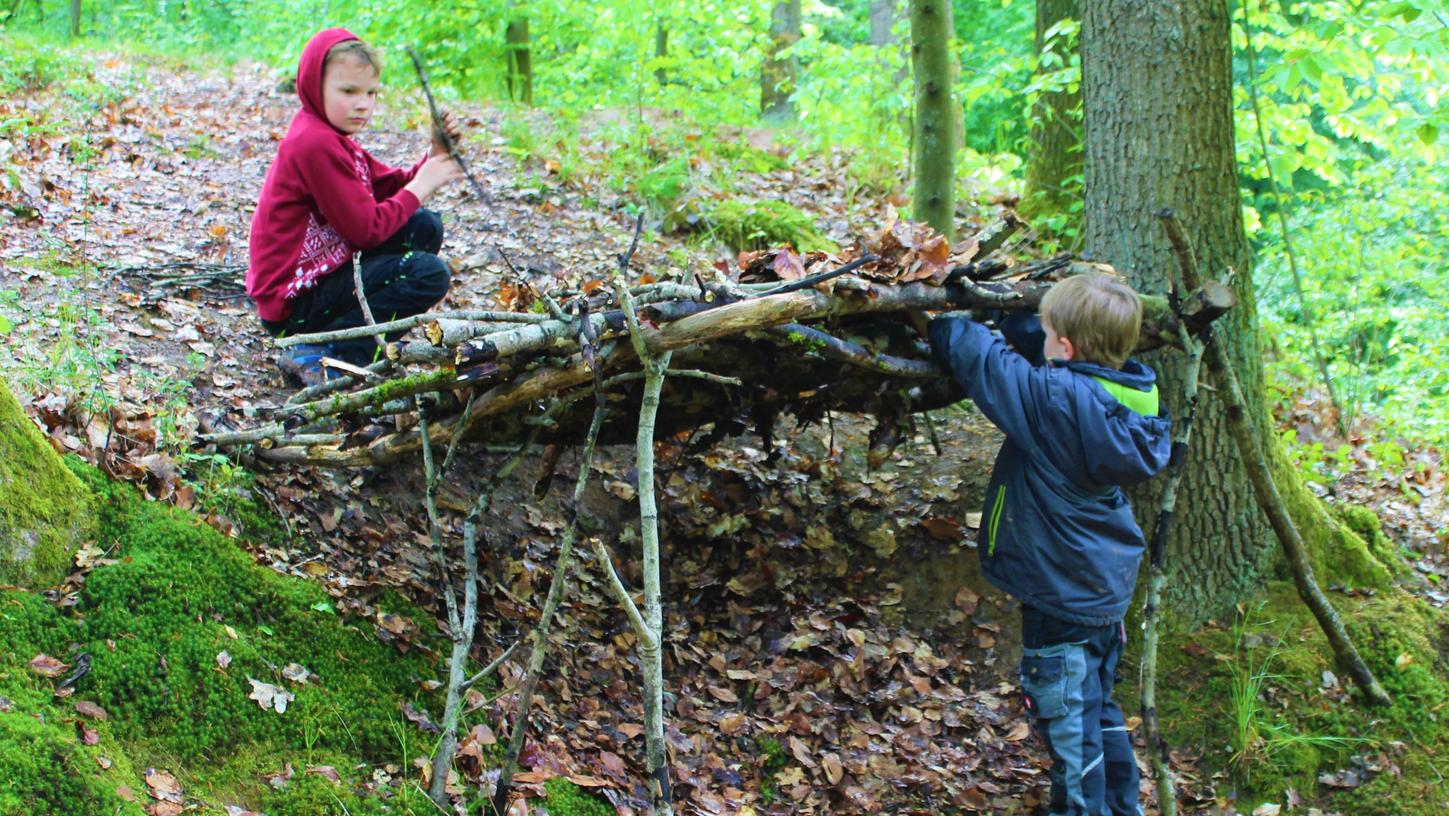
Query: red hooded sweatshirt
[[324, 197]]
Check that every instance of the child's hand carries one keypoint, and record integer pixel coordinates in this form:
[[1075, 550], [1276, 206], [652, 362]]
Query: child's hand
[[920, 321], [437, 172], [449, 126]]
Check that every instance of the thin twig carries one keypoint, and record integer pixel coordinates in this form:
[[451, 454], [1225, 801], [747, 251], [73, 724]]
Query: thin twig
[[621, 594], [818, 278], [1308, 319], [440, 132], [492, 667]]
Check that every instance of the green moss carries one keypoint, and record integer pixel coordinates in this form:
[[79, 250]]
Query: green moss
[[157, 621], [564, 798], [315, 795], [407, 386], [1298, 728], [772, 761], [1365, 524], [44, 510], [1335, 550], [750, 224], [47, 772]]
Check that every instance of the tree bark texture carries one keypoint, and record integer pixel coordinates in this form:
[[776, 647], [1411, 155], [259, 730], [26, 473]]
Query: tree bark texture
[[934, 141], [779, 73], [1054, 156], [661, 51], [1157, 89], [520, 62]]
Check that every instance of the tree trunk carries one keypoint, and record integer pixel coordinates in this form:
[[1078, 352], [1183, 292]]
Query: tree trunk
[[882, 18], [520, 62], [1054, 157], [44, 509], [778, 74], [1157, 87], [661, 51], [75, 18], [934, 142]]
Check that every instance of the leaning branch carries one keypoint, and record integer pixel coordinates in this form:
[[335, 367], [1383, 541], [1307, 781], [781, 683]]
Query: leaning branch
[[1269, 499]]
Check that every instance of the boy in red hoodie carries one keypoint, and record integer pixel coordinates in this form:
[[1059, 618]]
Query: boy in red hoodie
[[326, 198]]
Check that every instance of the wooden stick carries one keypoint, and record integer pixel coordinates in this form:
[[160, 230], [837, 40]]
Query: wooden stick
[[403, 324], [1157, 578], [1269, 499], [463, 635], [441, 132], [556, 585]]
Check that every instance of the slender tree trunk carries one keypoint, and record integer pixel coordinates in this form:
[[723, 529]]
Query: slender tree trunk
[[75, 18], [661, 51], [1157, 87], [934, 142], [882, 18], [1055, 155], [779, 73], [520, 62]]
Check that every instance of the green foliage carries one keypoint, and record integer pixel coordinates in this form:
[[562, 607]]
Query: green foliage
[[1349, 103], [746, 224], [564, 798]]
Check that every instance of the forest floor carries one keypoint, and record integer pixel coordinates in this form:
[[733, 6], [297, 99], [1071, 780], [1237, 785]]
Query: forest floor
[[830, 646]]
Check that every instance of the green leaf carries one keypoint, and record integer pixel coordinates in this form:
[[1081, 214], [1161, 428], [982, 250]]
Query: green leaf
[[324, 606], [266, 630], [5, 325], [1428, 133]]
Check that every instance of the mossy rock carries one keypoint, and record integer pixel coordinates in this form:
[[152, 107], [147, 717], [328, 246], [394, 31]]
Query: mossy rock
[[45, 512]]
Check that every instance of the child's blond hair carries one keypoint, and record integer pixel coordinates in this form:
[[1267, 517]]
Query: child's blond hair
[[356, 49], [1100, 314]]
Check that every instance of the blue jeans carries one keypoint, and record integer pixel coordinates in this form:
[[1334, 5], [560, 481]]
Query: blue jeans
[[402, 277], [1067, 674]]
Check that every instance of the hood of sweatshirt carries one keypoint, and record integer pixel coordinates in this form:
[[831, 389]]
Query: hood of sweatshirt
[[310, 68], [1121, 446]]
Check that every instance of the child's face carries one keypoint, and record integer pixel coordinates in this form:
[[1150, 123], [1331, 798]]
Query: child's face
[[1056, 348], [349, 94]]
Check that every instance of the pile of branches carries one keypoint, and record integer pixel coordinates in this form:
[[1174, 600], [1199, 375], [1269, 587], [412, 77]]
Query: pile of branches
[[781, 331]]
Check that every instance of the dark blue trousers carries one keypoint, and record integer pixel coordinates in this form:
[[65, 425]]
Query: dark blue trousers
[[1067, 674], [402, 277]]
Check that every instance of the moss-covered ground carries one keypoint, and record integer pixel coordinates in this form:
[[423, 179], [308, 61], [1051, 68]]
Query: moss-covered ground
[[1262, 702], [176, 626]]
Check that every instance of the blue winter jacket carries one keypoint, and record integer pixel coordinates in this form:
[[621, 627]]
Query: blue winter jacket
[[1057, 532]]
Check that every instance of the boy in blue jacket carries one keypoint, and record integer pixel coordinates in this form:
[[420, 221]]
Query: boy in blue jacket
[[1057, 532]]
